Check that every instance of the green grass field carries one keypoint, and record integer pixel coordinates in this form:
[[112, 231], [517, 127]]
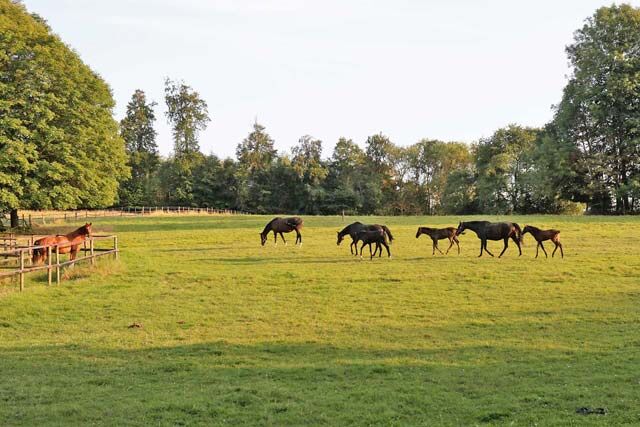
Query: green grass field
[[238, 334]]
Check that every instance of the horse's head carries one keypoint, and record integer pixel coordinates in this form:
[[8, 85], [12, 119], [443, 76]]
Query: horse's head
[[340, 238], [86, 229], [526, 229], [461, 227], [263, 238], [419, 232]]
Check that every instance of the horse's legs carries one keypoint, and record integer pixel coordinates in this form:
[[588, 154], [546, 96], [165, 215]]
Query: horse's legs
[[558, 245], [545, 252], [371, 254], [506, 245], [457, 243], [450, 246], [517, 242], [388, 251], [282, 237], [481, 248], [363, 243], [298, 237], [435, 245], [351, 247], [537, 249], [484, 242], [275, 237]]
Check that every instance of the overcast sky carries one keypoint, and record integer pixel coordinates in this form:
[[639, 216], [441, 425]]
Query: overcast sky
[[450, 70]]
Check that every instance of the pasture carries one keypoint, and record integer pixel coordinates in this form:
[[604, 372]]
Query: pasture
[[232, 333]]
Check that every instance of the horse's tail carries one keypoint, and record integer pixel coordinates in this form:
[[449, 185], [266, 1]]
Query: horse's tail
[[519, 234], [295, 222], [388, 233]]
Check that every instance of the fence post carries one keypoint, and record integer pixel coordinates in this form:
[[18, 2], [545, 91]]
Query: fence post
[[30, 222], [115, 245], [57, 265], [21, 270], [93, 260], [65, 217], [49, 265]]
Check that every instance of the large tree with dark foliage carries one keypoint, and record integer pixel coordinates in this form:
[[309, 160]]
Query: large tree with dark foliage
[[59, 143], [599, 115]]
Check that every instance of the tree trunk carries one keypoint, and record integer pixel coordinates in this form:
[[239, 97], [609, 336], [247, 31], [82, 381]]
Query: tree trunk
[[15, 219]]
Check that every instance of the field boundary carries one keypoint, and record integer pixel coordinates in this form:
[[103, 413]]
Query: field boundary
[[28, 217], [12, 249]]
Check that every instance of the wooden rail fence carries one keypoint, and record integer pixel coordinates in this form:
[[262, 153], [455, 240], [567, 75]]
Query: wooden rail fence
[[23, 255], [28, 218]]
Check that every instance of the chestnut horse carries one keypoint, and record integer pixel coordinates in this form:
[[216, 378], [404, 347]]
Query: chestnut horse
[[282, 225], [541, 236], [439, 234], [69, 243]]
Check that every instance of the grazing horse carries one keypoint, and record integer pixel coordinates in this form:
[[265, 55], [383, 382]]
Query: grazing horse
[[541, 236], [368, 237], [282, 225], [486, 230], [439, 234], [353, 229], [68, 243]]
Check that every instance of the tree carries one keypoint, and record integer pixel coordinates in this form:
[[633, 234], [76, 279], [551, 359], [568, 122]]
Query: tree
[[187, 113], [140, 140], [380, 188], [255, 154], [59, 144], [599, 115], [214, 183], [311, 171], [502, 161]]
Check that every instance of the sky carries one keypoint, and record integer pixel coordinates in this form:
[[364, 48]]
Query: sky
[[451, 70]]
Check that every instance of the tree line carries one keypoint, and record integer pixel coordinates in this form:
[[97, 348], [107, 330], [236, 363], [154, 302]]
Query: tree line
[[61, 148]]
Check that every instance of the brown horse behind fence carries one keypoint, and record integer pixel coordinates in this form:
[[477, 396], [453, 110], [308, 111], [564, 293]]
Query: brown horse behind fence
[[541, 236], [68, 243]]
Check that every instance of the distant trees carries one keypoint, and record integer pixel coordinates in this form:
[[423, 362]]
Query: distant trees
[[61, 148], [59, 144]]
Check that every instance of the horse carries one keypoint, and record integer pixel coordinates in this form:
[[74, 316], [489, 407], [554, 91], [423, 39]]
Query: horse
[[486, 230], [541, 236], [353, 229], [439, 234], [282, 225], [379, 237], [68, 243]]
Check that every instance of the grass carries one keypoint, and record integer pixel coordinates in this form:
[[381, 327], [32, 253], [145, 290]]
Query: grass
[[239, 334]]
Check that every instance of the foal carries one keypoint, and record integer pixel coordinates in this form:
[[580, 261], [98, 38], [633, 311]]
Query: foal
[[379, 237], [541, 236], [439, 234]]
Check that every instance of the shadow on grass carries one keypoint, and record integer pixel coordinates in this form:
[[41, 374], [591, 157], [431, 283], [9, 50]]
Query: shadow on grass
[[301, 384]]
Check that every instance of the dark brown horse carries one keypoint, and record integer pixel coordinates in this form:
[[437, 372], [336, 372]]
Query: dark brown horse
[[439, 234], [353, 229], [68, 243], [486, 230], [282, 225], [541, 236], [368, 237]]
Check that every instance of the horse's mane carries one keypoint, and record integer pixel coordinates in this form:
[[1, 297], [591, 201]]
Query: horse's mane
[[269, 224]]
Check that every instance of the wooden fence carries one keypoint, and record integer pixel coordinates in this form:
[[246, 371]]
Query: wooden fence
[[22, 253], [28, 218]]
